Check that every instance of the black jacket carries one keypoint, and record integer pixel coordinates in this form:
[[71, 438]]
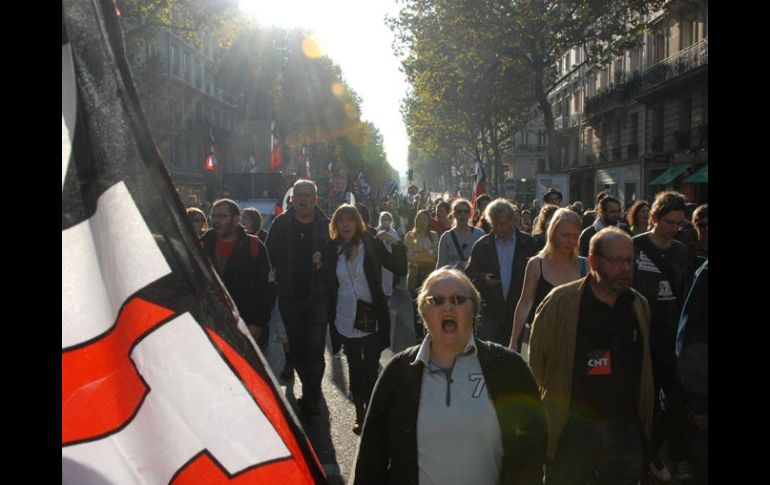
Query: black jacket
[[484, 261], [388, 449], [376, 256], [246, 278], [279, 245]]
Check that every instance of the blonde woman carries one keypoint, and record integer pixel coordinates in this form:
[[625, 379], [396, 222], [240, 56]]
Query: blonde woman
[[456, 408], [556, 264], [422, 254]]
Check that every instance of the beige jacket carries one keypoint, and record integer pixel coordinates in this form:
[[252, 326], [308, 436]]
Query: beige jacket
[[552, 356]]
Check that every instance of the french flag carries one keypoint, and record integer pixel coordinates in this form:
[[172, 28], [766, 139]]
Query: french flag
[[479, 186]]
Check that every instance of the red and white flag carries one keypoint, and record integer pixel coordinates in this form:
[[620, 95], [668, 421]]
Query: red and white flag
[[161, 382], [212, 160], [479, 186]]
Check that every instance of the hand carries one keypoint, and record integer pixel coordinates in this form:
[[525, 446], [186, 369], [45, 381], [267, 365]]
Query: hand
[[491, 280], [384, 236], [317, 259]]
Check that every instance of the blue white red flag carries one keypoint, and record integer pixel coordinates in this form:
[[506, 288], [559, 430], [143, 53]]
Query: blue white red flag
[[161, 381], [479, 186]]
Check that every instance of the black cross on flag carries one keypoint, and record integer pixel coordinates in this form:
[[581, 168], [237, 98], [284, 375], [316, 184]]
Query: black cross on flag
[[160, 381]]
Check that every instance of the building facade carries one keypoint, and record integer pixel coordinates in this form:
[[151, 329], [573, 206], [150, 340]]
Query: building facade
[[186, 106], [638, 123]]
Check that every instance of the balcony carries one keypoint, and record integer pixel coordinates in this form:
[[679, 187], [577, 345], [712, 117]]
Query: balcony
[[605, 100], [682, 62]]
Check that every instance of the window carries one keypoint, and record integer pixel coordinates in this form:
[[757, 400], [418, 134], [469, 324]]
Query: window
[[174, 61], [685, 114], [186, 66], [659, 47]]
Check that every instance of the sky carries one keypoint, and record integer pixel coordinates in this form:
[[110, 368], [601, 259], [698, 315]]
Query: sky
[[354, 35]]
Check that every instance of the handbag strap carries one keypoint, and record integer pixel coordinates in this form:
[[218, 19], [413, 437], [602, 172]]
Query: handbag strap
[[457, 245]]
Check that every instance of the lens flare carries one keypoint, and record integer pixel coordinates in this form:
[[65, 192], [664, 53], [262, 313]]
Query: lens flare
[[338, 89], [311, 48]]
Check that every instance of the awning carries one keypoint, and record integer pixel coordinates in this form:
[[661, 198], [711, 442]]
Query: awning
[[670, 174], [699, 177]]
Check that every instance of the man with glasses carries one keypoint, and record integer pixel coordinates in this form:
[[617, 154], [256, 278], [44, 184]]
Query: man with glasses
[[241, 261], [661, 276], [589, 353], [295, 242]]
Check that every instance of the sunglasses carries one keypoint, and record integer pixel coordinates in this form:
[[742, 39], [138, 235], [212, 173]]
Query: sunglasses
[[462, 211], [702, 225], [439, 300]]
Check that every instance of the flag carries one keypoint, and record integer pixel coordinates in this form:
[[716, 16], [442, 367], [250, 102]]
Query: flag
[[349, 196], [161, 382], [250, 166], [479, 187], [391, 187], [282, 204], [212, 160], [304, 165], [276, 157]]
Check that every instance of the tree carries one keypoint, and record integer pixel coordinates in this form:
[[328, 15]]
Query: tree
[[462, 88], [530, 33]]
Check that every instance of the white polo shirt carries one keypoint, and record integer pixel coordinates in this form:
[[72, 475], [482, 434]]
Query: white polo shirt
[[458, 434]]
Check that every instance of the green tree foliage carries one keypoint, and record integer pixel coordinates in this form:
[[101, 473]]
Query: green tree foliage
[[467, 100], [287, 80], [493, 39]]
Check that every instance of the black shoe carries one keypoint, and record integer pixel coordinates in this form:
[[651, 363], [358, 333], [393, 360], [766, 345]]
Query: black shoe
[[287, 372], [307, 409]]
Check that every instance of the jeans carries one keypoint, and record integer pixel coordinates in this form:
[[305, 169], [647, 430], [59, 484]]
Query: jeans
[[612, 453], [363, 356], [306, 324], [671, 418]]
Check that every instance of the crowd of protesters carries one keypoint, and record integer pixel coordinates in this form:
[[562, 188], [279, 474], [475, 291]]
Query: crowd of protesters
[[547, 351]]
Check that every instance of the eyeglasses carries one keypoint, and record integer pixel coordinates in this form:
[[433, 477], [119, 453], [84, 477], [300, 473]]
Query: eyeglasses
[[439, 300], [618, 262], [198, 220], [221, 216], [702, 225]]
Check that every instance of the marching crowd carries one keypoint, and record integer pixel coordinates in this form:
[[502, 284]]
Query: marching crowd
[[566, 348]]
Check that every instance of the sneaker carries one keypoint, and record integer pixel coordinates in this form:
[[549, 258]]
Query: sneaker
[[682, 471], [287, 372], [659, 470]]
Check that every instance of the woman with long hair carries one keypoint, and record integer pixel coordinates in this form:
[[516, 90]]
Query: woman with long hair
[[353, 261], [422, 254], [638, 217], [454, 247], [556, 264], [198, 220], [540, 230]]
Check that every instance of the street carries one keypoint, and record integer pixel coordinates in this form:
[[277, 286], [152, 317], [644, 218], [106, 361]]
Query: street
[[331, 433]]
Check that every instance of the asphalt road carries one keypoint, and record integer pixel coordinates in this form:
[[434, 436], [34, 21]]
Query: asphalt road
[[331, 433]]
